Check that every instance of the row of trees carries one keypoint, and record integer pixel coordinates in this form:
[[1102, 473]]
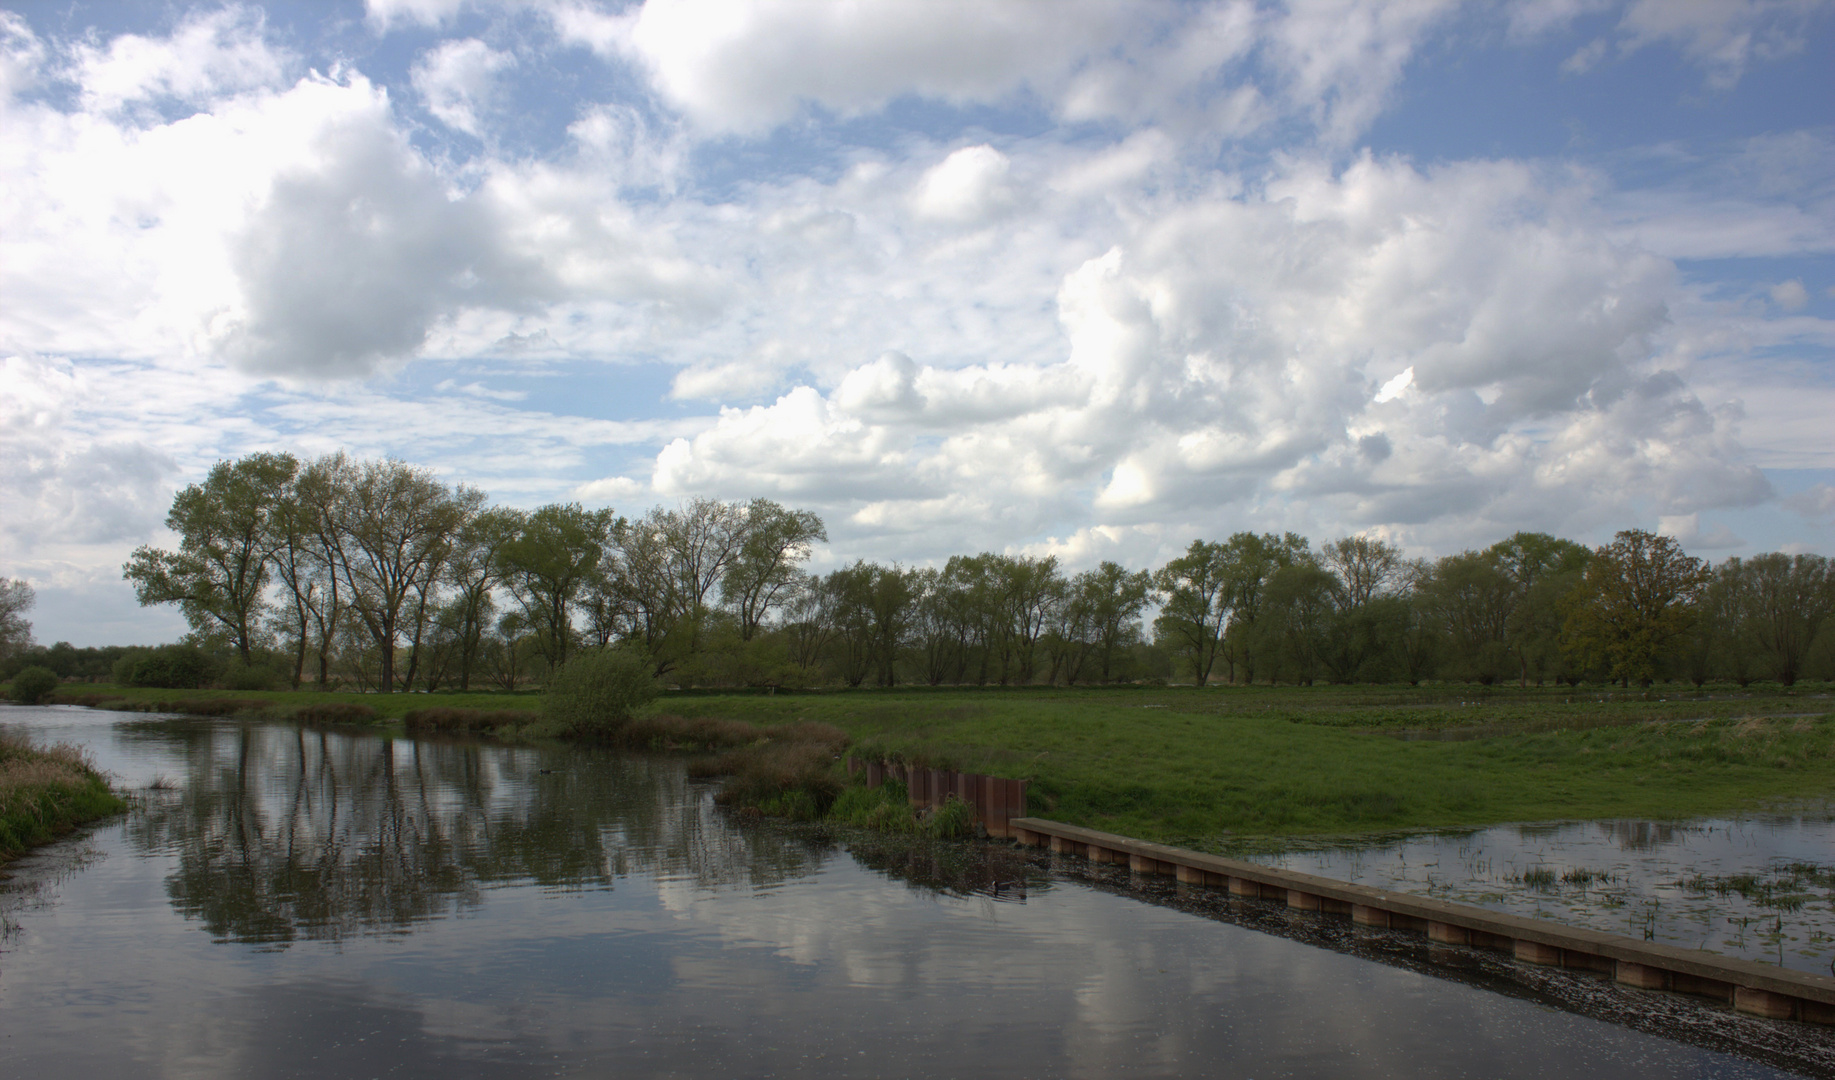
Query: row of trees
[[376, 573], [380, 574]]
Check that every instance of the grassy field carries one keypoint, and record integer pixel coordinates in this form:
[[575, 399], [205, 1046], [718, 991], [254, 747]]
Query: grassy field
[[1220, 766]]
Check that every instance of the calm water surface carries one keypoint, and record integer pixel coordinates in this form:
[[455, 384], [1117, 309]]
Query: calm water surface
[[299, 903]]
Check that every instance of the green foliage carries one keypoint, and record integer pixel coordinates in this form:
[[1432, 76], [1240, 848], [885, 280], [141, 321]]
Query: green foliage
[[1635, 602], [597, 692], [33, 685], [173, 667], [244, 678], [954, 820]]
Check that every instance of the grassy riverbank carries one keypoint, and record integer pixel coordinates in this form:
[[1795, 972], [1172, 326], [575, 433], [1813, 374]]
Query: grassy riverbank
[[1201, 767], [45, 792], [1208, 766]]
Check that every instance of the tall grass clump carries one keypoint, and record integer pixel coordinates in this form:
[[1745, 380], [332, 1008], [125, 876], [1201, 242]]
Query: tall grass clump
[[334, 712], [45, 791], [791, 772], [451, 721], [597, 693]]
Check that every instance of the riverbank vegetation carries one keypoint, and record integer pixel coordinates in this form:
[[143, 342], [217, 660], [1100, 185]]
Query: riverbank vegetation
[[45, 792], [1215, 766]]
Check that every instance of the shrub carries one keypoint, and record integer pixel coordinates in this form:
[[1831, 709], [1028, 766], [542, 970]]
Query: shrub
[[597, 693], [172, 667], [34, 684]]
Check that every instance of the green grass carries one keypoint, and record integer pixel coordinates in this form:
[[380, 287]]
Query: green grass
[[1215, 767], [45, 792]]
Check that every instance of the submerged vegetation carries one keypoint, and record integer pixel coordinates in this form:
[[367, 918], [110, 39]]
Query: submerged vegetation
[[45, 792]]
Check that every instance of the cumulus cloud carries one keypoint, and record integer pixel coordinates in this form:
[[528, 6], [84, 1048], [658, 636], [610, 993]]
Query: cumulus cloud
[[459, 78], [358, 249], [967, 187], [1241, 351]]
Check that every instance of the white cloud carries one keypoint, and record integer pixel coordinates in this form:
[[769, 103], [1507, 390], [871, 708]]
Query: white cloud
[[746, 65], [385, 15], [1211, 364], [1722, 36], [968, 187], [1790, 295], [20, 54], [209, 54], [359, 248], [459, 78], [749, 65]]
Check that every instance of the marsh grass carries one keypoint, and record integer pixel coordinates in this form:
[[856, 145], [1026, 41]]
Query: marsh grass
[[446, 720], [792, 771], [46, 791], [1784, 888]]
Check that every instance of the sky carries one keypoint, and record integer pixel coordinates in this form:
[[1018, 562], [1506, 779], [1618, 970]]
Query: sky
[[1084, 278]]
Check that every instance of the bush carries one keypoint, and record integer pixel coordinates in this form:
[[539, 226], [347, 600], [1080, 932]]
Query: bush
[[597, 693], [34, 684], [172, 667]]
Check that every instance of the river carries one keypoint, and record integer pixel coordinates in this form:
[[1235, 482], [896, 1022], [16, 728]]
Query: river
[[286, 902]]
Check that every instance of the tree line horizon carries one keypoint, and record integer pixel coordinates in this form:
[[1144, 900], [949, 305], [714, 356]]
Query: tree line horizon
[[375, 575]]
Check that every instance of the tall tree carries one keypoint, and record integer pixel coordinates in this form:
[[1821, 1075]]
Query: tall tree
[[1634, 601], [1541, 569], [1195, 595], [1113, 598], [16, 598], [474, 570], [1030, 590], [703, 539], [1470, 599], [1364, 565], [219, 574], [394, 525], [549, 562], [1789, 598], [1250, 562], [774, 545]]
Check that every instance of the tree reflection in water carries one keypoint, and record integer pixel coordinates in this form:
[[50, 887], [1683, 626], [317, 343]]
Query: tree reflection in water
[[282, 833]]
